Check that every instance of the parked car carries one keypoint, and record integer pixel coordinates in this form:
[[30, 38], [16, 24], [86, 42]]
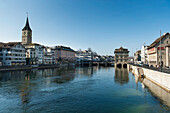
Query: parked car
[[141, 64], [146, 65], [151, 66]]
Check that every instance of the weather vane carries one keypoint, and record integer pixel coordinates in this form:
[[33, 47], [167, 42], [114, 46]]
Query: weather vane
[[27, 14]]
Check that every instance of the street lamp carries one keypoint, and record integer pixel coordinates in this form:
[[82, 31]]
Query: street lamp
[[160, 53]]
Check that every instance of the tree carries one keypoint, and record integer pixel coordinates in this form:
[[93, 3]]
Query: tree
[[89, 50]]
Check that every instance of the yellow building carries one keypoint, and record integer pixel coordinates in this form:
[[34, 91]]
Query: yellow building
[[121, 57]]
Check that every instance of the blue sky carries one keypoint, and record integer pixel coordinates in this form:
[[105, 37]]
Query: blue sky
[[102, 25]]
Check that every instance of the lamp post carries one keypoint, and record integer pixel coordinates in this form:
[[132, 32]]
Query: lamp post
[[144, 53], [160, 53]]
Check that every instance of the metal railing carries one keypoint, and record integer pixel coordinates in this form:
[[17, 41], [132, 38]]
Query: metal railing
[[162, 69]]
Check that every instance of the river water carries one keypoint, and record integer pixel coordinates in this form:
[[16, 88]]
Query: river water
[[80, 90]]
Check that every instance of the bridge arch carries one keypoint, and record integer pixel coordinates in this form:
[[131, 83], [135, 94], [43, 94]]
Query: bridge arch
[[124, 65], [119, 65]]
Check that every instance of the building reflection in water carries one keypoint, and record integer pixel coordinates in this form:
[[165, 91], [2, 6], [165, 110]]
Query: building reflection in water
[[121, 76], [61, 74], [25, 90], [87, 71]]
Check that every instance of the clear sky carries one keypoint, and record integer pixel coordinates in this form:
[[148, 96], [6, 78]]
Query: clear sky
[[102, 25]]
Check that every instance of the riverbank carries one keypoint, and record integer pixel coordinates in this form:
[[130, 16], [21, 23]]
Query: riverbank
[[29, 67], [159, 78]]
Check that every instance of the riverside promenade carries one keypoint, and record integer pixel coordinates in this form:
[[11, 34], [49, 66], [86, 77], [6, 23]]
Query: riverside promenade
[[160, 78]]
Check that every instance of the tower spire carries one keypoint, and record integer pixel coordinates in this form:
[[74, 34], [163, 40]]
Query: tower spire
[[27, 33], [27, 26]]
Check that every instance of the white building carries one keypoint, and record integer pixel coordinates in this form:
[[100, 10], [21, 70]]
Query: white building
[[144, 54], [84, 56], [12, 53], [49, 55], [34, 53]]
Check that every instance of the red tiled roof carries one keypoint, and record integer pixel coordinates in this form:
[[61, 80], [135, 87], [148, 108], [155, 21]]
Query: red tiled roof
[[157, 40], [9, 45], [121, 49]]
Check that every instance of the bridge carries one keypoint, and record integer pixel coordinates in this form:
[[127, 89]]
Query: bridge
[[89, 63]]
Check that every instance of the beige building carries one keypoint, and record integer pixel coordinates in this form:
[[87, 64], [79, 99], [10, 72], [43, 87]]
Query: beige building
[[121, 57], [155, 50], [168, 55]]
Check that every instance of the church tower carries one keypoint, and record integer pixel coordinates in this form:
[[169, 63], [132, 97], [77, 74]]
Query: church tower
[[26, 34]]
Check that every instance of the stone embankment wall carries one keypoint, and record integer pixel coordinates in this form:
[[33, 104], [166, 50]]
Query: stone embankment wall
[[160, 78], [157, 91]]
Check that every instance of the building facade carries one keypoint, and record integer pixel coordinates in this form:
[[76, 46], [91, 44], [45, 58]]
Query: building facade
[[63, 53], [157, 51], [137, 57], [12, 53], [168, 56], [144, 54], [49, 55], [34, 53], [84, 56], [121, 57]]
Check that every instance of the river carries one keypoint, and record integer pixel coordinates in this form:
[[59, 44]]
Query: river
[[80, 90]]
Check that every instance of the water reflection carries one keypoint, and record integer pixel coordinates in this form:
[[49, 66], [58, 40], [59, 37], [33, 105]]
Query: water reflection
[[157, 92], [73, 90], [25, 93], [33, 74], [64, 79], [154, 89], [88, 71], [121, 76]]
